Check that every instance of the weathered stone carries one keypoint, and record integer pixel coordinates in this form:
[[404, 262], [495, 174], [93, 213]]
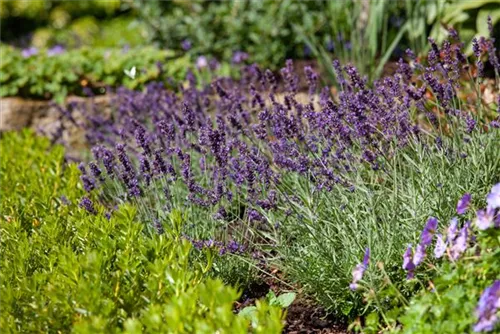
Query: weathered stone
[[45, 118], [17, 113]]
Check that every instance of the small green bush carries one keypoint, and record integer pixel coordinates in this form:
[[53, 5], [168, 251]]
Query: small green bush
[[64, 269]]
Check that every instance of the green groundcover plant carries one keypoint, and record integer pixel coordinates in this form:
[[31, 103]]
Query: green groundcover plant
[[456, 265], [63, 269], [56, 72]]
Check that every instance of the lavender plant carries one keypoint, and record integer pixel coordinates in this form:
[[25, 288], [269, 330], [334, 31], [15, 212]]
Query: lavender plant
[[311, 178]]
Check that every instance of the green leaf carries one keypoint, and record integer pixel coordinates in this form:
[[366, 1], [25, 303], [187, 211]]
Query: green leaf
[[286, 299]]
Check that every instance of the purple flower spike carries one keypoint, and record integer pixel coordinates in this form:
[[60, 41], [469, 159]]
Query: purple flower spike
[[463, 204], [487, 308], [359, 270], [440, 246], [87, 204], [428, 232], [493, 198]]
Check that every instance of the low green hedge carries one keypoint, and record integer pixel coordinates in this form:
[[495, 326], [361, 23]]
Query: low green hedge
[[64, 269]]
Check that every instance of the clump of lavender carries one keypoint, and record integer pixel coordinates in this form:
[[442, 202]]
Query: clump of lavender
[[246, 136]]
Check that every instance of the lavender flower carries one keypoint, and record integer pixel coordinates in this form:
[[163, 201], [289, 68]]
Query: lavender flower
[[239, 57], [254, 215], [487, 308], [96, 171], [452, 230], [56, 50], [87, 204], [476, 48], [186, 45], [359, 270], [88, 183], [201, 62], [65, 200], [81, 167], [419, 255], [463, 204]]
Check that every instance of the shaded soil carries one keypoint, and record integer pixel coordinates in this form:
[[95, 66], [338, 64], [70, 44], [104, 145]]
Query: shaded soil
[[303, 316]]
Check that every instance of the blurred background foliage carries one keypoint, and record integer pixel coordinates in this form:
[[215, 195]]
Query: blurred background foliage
[[368, 34]]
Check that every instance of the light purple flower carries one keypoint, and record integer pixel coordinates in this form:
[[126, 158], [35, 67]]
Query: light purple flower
[[428, 232], [484, 219], [440, 246], [493, 198], [239, 57], [452, 230], [201, 62], [487, 308], [419, 254], [463, 203], [26, 53], [460, 244], [359, 270], [56, 50], [408, 264]]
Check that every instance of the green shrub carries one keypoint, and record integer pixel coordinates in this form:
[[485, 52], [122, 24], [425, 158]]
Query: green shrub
[[64, 269], [44, 76]]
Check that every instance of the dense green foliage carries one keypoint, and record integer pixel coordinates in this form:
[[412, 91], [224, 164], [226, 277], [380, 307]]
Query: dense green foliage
[[73, 23], [44, 76], [66, 270]]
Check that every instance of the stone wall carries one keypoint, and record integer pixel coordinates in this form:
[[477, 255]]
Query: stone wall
[[45, 118]]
